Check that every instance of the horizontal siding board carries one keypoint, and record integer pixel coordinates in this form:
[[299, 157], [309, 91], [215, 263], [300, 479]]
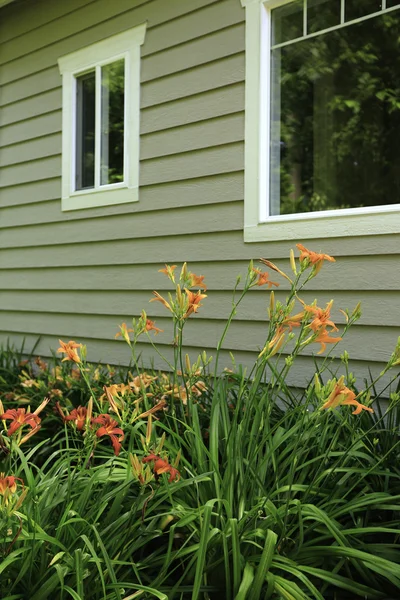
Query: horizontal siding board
[[352, 274], [378, 307], [26, 193], [31, 107], [185, 28], [195, 81], [35, 170], [181, 29], [194, 53], [249, 337], [189, 165], [143, 225], [31, 150], [76, 30], [36, 14], [214, 132], [214, 103], [46, 124], [37, 83], [89, 25], [207, 190]]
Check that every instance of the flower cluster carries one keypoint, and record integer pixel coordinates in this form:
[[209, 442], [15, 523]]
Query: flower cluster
[[315, 322], [161, 466], [9, 499], [340, 395], [20, 417], [82, 419], [186, 302]]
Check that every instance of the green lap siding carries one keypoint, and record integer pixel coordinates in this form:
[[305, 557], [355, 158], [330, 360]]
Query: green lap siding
[[79, 274]]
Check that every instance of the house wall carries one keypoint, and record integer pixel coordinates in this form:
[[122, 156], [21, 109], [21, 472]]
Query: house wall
[[77, 275]]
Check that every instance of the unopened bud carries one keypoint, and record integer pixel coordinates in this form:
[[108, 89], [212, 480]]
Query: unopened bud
[[317, 384], [293, 261], [356, 314], [271, 305]]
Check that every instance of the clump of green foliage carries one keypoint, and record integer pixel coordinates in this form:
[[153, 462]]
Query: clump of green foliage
[[198, 482]]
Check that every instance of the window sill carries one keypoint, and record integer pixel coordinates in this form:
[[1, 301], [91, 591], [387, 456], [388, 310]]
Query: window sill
[[94, 199], [350, 223]]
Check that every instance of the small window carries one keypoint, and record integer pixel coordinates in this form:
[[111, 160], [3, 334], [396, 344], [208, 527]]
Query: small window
[[100, 162], [322, 118]]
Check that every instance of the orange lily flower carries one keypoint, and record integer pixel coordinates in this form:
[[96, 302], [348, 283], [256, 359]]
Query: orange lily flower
[[150, 326], [69, 348], [178, 392], [110, 427], [8, 486], [78, 415], [194, 300], [323, 339], [124, 332], [273, 266], [18, 418], [342, 396], [294, 320], [263, 278], [169, 271], [321, 317], [162, 466], [163, 301], [313, 257], [275, 344], [197, 281], [8, 483], [141, 381]]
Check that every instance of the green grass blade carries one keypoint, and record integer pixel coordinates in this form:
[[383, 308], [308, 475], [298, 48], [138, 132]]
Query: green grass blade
[[264, 565], [246, 583]]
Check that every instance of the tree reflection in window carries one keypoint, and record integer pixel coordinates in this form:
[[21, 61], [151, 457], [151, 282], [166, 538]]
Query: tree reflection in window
[[112, 122], [335, 112], [85, 128]]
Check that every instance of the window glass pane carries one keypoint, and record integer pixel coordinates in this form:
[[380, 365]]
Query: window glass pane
[[112, 122], [335, 119], [322, 14], [392, 3], [287, 22], [85, 125], [359, 8]]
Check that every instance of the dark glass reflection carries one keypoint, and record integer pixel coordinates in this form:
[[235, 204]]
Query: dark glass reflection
[[85, 126], [335, 119], [359, 8], [112, 122], [287, 22], [322, 14]]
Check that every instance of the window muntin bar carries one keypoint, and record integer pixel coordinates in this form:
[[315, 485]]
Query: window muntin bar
[[293, 13]]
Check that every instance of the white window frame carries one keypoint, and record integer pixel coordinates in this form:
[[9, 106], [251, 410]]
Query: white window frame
[[123, 45], [258, 225]]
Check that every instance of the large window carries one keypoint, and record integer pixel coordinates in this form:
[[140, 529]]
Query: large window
[[101, 122], [324, 96]]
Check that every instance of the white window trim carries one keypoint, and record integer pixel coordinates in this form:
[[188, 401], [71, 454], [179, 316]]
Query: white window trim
[[123, 45], [258, 226]]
